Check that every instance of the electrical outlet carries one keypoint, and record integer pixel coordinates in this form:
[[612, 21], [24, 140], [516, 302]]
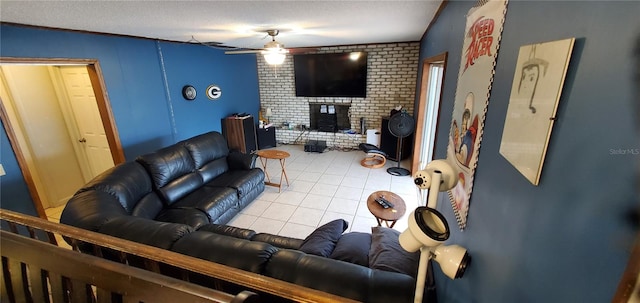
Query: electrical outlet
[[2, 173]]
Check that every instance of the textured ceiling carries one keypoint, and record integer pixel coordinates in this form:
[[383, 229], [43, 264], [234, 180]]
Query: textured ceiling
[[240, 24]]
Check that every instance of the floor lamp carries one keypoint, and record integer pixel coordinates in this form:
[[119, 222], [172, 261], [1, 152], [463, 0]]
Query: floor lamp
[[428, 228]]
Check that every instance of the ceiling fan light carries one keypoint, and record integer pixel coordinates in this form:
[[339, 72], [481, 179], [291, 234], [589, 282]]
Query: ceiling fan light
[[274, 56]]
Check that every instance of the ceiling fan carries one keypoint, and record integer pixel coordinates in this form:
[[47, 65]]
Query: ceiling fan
[[273, 51]]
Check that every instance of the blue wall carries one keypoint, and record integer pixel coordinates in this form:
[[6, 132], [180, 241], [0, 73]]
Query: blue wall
[[568, 239], [149, 112]]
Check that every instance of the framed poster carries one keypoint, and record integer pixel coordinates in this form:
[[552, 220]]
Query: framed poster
[[479, 52], [537, 84]]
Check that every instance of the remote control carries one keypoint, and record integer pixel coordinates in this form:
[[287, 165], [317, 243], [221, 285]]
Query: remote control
[[384, 202], [384, 205], [387, 202]]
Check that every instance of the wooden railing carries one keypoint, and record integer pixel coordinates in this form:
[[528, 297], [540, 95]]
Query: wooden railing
[[35, 271], [159, 261]]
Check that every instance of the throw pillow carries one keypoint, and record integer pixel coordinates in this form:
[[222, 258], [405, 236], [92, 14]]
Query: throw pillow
[[322, 241], [387, 254], [354, 248]]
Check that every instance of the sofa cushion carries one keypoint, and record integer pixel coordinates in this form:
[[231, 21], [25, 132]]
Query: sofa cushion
[[232, 231], [322, 241], [154, 233], [341, 278], [230, 251], [213, 169], [387, 254], [214, 201], [148, 207], [209, 152], [173, 172], [353, 248], [320, 273], [243, 181], [206, 147]]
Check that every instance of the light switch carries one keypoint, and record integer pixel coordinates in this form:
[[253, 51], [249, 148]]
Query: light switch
[[2, 173]]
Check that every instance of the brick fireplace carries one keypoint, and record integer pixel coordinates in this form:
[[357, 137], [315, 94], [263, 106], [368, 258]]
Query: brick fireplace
[[391, 81], [329, 117]]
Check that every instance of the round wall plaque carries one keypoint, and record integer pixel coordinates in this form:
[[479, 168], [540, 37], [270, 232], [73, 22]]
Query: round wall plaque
[[214, 92], [189, 92]]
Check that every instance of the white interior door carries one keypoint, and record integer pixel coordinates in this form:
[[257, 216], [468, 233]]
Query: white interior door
[[430, 119], [428, 110], [33, 108], [91, 137]]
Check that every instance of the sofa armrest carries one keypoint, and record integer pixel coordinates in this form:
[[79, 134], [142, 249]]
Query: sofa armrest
[[241, 161], [278, 241], [91, 209], [232, 231]]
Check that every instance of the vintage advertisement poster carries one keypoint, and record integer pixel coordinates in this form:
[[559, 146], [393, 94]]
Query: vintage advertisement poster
[[479, 53]]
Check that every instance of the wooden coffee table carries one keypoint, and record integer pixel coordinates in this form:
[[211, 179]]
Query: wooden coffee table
[[387, 215], [267, 154]]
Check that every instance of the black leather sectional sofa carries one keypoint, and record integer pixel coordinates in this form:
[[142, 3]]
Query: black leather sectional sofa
[[179, 198]]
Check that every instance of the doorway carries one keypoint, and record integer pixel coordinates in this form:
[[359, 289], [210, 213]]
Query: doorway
[[59, 123], [428, 111]]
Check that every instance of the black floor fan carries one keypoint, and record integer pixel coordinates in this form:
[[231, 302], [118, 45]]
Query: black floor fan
[[400, 125]]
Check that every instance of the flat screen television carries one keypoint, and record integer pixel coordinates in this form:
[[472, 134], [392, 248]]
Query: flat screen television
[[331, 75]]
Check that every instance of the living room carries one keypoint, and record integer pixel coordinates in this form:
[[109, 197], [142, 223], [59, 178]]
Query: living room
[[566, 240]]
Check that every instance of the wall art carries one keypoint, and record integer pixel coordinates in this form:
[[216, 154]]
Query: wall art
[[537, 84], [479, 52], [213, 92]]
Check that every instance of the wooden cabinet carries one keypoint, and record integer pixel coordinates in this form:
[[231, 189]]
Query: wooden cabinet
[[240, 133], [389, 143]]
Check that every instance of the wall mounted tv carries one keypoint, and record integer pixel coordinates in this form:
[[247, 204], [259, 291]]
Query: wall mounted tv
[[331, 75]]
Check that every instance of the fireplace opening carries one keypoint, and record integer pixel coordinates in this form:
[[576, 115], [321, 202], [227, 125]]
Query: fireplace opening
[[329, 117]]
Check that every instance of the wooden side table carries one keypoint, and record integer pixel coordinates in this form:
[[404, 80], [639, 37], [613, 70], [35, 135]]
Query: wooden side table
[[278, 155], [387, 215]]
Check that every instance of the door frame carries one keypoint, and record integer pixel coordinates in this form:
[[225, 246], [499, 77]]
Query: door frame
[[104, 107], [422, 107]]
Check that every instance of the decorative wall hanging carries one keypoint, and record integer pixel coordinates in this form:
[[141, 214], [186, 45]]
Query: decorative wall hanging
[[479, 52], [213, 92], [535, 92], [189, 92]]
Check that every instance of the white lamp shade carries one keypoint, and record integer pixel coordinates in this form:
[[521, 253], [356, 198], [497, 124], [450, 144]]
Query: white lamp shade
[[427, 227], [453, 260], [274, 56]]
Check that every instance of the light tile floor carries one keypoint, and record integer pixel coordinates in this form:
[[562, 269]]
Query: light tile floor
[[53, 214], [323, 187]]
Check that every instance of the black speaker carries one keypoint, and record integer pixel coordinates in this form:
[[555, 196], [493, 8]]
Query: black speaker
[[401, 125], [389, 143], [240, 133]]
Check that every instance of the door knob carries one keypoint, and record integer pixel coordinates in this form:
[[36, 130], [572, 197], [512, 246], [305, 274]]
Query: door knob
[[83, 140]]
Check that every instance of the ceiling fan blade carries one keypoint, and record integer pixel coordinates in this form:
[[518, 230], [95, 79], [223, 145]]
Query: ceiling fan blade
[[247, 51], [302, 50]]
